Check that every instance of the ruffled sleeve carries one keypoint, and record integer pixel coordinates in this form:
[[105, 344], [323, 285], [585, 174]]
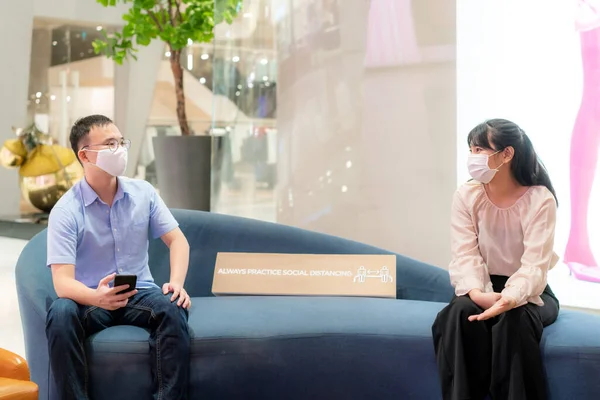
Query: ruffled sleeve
[[467, 269], [531, 278]]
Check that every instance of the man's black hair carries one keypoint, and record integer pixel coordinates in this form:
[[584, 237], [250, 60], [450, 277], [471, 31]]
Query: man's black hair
[[81, 128]]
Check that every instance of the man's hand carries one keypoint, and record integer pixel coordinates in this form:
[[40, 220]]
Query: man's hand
[[107, 297], [484, 300], [501, 306], [178, 292]]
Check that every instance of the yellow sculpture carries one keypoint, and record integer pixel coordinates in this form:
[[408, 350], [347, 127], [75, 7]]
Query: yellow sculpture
[[46, 170]]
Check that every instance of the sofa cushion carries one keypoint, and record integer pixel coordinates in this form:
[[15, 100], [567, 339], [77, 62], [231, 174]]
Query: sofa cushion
[[234, 318], [571, 350], [339, 344], [345, 347]]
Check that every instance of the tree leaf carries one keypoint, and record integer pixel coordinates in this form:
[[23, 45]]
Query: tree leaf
[[150, 19]]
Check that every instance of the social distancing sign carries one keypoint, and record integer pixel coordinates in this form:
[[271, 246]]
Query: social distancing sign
[[305, 275]]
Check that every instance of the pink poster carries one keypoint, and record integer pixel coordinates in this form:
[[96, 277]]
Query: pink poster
[[579, 256]]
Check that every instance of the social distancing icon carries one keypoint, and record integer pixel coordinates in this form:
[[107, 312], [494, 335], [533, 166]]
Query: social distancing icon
[[383, 273]]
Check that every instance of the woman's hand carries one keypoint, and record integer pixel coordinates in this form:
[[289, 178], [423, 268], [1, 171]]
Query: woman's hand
[[501, 306], [484, 300]]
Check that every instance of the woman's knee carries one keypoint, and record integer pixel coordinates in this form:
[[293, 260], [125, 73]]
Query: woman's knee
[[518, 321], [457, 312], [463, 305], [515, 317]]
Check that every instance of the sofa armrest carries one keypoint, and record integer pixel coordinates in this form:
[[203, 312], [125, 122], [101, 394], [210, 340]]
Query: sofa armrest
[[12, 389], [13, 366]]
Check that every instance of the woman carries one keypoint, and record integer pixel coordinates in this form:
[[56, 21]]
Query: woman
[[487, 339]]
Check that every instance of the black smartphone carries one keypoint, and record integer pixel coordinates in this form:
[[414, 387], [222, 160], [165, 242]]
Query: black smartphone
[[121, 280]]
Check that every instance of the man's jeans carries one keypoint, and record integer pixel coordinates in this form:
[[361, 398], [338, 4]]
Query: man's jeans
[[69, 324]]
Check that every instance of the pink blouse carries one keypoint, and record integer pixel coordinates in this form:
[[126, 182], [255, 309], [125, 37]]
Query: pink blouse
[[517, 242]]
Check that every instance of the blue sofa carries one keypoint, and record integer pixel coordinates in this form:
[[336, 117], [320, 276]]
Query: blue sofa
[[290, 348]]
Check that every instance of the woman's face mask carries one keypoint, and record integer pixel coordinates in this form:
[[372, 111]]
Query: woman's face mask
[[479, 169]]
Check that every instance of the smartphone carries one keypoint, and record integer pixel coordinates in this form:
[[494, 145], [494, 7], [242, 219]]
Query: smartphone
[[130, 280]]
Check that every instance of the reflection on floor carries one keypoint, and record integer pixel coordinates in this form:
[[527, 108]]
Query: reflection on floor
[[11, 334]]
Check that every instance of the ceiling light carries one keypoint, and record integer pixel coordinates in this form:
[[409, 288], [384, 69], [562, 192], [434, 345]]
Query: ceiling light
[[190, 61]]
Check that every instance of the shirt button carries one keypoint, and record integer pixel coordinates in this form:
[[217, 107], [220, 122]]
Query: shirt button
[[121, 270], [118, 249], [115, 229]]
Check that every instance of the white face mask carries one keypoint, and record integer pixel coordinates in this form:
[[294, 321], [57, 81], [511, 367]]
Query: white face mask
[[479, 169], [115, 163]]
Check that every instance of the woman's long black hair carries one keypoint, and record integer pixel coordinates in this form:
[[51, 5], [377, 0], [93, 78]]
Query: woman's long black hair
[[526, 166]]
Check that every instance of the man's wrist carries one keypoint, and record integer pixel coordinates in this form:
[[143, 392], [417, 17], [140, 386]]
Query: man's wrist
[[93, 298], [176, 282]]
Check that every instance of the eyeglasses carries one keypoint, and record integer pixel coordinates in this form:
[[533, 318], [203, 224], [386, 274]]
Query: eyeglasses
[[112, 144]]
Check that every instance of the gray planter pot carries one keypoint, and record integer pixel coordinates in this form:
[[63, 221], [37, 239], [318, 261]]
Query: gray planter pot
[[183, 170]]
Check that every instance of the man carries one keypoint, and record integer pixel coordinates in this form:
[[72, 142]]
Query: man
[[99, 229]]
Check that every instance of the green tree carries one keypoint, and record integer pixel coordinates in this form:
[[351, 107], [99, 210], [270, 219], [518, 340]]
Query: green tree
[[174, 22]]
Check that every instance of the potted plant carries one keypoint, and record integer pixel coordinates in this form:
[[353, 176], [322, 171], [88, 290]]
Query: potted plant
[[183, 163]]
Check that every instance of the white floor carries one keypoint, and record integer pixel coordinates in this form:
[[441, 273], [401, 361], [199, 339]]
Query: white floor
[[11, 332]]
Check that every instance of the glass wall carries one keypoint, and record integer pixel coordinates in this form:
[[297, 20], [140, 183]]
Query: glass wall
[[66, 80], [340, 118], [244, 84]]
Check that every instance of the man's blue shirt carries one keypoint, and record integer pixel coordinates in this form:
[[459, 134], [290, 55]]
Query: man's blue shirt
[[100, 240]]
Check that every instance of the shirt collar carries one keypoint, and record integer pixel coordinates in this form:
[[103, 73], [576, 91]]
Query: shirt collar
[[90, 196]]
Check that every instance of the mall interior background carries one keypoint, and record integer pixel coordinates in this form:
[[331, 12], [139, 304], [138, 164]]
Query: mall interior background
[[340, 117], [346, 117]]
